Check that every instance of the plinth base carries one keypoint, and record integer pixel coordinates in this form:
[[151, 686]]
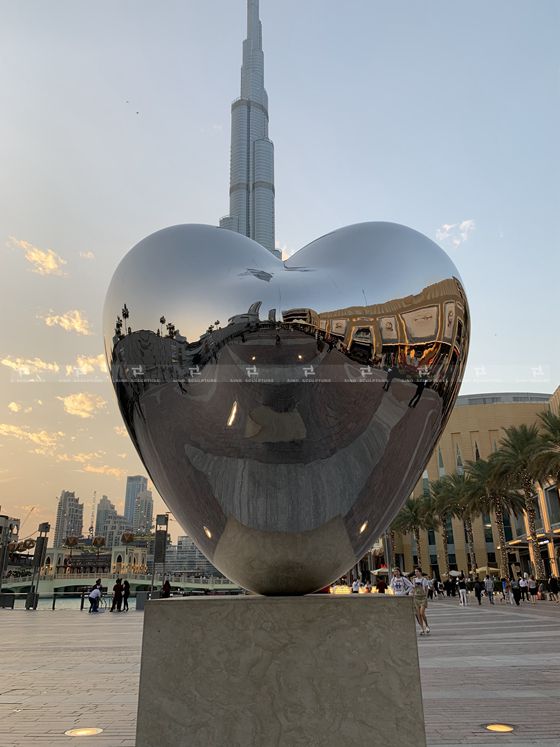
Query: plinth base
[[280, 671]]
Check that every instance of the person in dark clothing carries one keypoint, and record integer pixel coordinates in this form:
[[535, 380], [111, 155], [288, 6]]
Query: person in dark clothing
[[553, 589], [381, 586], [392, 373], [126, 594], [166, 589], [478, 591], [420, 386], [516, 591], [117, 596]]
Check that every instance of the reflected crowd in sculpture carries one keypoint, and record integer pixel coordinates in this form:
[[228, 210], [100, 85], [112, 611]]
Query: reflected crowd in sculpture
[[285, 410]]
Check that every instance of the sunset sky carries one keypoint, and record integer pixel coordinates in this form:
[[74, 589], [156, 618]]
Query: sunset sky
[[115, 123]]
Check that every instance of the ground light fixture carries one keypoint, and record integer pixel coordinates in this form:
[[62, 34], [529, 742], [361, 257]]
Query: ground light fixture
[[83, 731], [499, 728]]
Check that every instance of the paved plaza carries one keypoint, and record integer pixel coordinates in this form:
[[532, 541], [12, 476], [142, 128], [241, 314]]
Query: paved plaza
[[66, 669]]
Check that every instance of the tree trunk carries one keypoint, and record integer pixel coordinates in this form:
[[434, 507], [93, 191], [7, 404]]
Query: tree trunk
[[499, 511], [470, 542], [531, 521], [391, 562], [418, 548], [443, 520]]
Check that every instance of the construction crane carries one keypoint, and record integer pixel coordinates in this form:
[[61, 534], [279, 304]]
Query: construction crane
[[27, 515]]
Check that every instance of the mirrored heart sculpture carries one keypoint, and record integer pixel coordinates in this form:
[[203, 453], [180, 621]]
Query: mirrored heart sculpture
[[285, 410]]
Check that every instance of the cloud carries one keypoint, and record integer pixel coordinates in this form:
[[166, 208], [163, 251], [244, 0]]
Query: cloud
[[45, 441], [120, 430], [106, 470], [87, 255], [81, 458], [123, 455], [43, 262], [71, 321], [87, 364], [82, 405], [455, 233], [17, 407], [29, 366]]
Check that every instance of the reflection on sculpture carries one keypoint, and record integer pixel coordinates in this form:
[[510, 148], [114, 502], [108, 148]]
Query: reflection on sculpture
[[287, 409]]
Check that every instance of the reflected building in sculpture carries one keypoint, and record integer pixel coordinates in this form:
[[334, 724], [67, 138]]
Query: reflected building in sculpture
[[251, 190]]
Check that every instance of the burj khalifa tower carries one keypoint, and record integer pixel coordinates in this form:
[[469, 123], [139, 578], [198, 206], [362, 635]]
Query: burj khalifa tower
[[251, 189]]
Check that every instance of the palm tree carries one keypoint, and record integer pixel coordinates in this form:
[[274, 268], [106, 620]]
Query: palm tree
[[417, 514], [493, 495], [549, 459], [518, 461], [465, 507], [444, 508]]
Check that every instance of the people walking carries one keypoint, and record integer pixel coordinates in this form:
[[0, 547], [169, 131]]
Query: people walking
[[524, 587], [516, 591], [489, 588], [420, 593], [117, 596], [478, 591], [533, 589], [462, 585], [126, 594], [553, 589], [400, 585]]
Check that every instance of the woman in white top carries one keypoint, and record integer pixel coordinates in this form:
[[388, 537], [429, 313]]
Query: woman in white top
[[400, 585]]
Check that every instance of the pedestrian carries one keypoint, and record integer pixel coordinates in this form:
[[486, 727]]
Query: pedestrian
[[489, 588], [553, 589], [94, 597], [524, 586], [166, 589], [478, 591], [126, 594], [430, 587], [533, 589], [504, 589], [462, 585], [381, 586], [516, 591], [117, 596], [400, 585], [420, 593]]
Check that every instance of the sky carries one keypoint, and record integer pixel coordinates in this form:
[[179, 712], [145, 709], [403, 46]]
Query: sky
[[116, 123]]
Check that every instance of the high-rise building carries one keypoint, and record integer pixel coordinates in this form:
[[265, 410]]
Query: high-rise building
[[134, 484], [114, 529], [105, 512], [185, 557], [69, 517], [251, 188], [143, 512]]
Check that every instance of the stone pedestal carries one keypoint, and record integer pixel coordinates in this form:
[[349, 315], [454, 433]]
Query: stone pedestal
[[280, 671]]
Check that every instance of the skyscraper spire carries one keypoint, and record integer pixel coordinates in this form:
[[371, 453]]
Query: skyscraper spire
[[251, 190]]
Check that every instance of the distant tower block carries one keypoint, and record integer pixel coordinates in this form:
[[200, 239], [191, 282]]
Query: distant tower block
[[251, 190]]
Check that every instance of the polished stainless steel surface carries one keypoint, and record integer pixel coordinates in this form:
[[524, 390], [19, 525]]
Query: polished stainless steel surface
[[285, 411]]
